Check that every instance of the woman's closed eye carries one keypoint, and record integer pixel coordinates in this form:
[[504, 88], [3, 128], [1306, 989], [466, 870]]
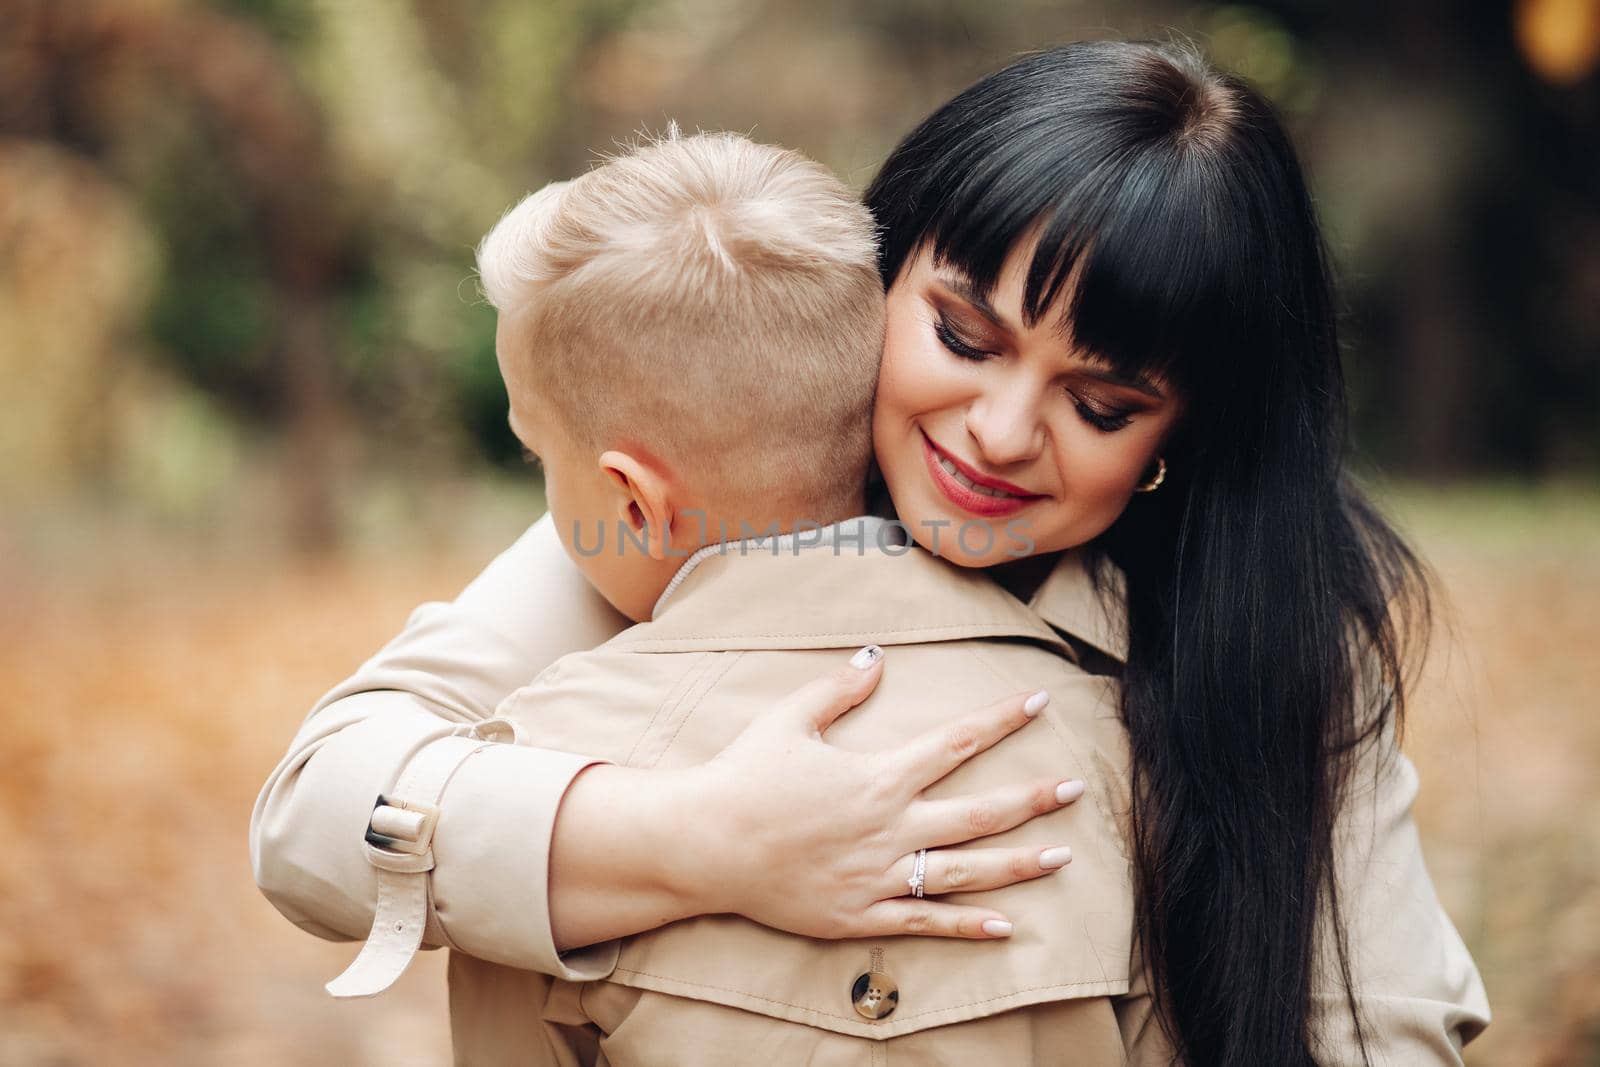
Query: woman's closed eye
[[1107, 418], [1104, 418], [952, 339]]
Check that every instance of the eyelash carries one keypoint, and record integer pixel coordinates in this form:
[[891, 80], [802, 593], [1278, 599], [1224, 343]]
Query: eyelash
[[1100, 421]]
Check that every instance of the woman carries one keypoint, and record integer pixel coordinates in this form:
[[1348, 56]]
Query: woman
[[1109, 319]]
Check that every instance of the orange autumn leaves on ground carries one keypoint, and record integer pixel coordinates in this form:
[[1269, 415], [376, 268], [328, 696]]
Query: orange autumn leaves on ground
[[143, 712]]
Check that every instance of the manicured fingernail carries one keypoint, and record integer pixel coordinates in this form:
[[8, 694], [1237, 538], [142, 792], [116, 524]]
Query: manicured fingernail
[[997, 928], [1036, 703], [866, 657], [1051, 858], [1068, 791]]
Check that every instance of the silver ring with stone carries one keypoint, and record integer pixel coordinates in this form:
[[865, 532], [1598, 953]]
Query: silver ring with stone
[[916, 880]]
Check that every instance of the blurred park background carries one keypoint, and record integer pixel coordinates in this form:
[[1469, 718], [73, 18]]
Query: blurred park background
[[251, 418]]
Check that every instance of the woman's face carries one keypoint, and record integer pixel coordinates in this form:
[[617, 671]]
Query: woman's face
[[1052, 439]]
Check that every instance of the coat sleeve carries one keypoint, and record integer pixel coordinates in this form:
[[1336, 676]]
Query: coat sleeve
[[448, 669], [1418, 991], [1143, 1039]]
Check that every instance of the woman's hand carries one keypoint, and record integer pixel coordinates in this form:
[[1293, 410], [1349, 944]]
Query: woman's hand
[[820, 841], [797, 834]]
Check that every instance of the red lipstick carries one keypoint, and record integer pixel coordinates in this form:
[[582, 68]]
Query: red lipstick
[[967, 498]]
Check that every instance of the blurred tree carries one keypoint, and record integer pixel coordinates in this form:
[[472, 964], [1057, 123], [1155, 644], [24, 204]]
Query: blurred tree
[[182, 101], [441, 116], [1464, 195]]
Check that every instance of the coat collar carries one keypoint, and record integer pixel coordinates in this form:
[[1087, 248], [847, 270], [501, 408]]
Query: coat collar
[[853, 583], [1068, 600]]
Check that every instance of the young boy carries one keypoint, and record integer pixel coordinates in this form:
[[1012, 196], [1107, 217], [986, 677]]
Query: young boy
[[689, 336]]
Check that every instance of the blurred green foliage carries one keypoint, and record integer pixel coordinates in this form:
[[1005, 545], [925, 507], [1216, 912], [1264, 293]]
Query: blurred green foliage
[[211, 315], [313, 178]]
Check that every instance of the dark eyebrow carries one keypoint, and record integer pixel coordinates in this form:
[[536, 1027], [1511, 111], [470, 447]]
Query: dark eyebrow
[[1111, 377], [527, 453], [963, 287]]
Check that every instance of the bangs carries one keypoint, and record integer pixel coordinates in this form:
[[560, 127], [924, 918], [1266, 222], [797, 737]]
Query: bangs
[[1123, 261], [1127, 209]]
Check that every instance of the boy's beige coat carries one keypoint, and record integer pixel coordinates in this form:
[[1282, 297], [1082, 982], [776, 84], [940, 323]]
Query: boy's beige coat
[[457, 661], [739, 632]]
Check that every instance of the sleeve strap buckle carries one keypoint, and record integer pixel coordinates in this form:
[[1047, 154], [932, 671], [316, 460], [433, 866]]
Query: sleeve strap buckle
[[400, 825]]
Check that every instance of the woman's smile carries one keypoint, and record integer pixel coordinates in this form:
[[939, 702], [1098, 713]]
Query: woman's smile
[[970, 490]]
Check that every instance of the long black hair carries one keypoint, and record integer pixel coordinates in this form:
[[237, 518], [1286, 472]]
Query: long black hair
[[1269, 605]]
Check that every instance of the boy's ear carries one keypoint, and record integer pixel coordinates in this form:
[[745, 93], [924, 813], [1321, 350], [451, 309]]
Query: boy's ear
[[644, 498]]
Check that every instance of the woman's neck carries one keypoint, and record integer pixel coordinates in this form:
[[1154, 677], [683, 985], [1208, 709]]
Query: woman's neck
[[1023, 577]]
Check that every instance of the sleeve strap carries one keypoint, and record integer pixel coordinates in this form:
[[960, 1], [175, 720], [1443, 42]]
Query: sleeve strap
[[399, 845]]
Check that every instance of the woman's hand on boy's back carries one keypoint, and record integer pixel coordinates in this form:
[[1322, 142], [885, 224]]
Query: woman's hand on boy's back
[[798, 834]]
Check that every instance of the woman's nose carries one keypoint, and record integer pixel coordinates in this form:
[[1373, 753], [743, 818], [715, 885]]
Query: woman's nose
[[1006, 427]]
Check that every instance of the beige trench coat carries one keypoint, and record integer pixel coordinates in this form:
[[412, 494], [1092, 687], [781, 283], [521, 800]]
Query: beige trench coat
[[740, 632], [1419, 992]]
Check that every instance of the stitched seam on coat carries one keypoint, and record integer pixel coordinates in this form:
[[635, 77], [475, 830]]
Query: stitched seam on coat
[[705, 691], [438, 924], [1008, 994], [966, 629], [674, 696], [1091, 769]]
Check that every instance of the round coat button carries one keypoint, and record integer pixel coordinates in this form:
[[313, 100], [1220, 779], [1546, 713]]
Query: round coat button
[[875, 995]]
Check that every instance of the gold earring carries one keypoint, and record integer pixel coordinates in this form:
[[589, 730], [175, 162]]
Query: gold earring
[[1154, 483]]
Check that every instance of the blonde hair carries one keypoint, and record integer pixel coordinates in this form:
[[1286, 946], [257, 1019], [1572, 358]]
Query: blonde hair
[[715, 300]]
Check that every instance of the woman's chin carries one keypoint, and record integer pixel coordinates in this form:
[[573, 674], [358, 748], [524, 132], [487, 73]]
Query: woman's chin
[[967, 541]]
